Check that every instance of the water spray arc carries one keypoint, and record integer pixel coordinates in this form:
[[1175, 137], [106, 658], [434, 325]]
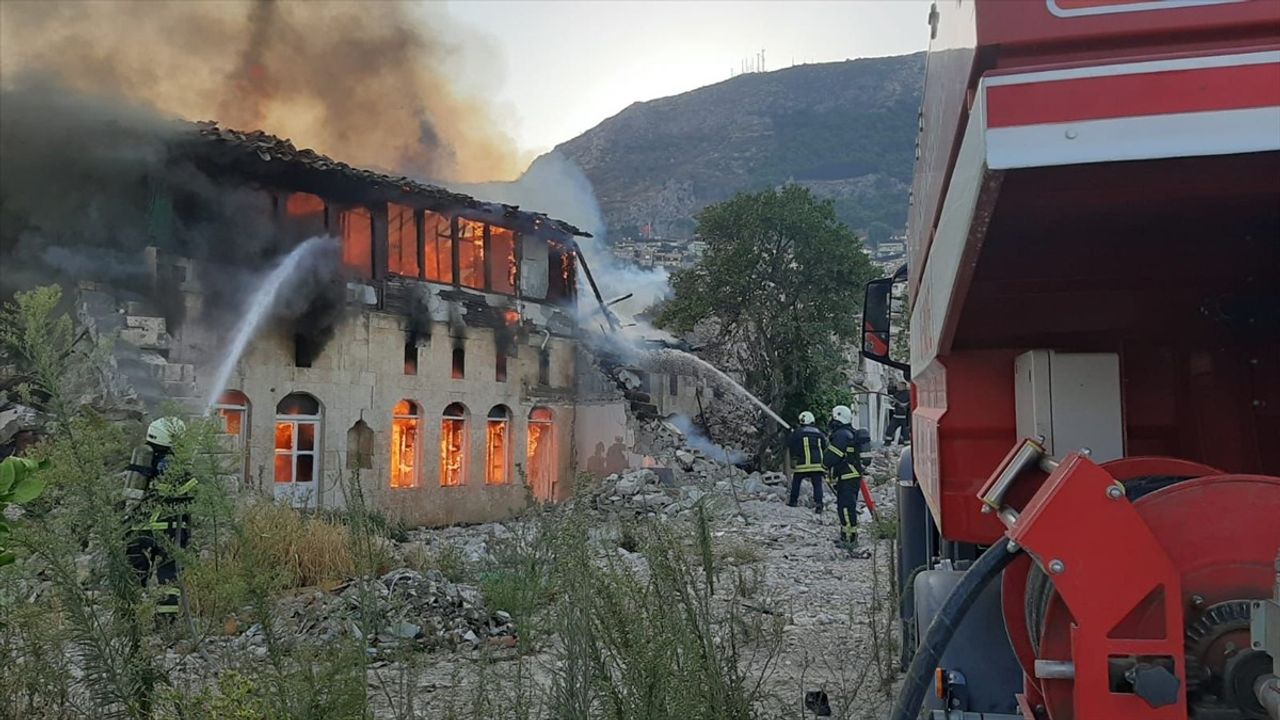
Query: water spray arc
[[260, 302]]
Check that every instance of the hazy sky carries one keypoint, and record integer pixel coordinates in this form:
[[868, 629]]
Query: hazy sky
[[556, 69]]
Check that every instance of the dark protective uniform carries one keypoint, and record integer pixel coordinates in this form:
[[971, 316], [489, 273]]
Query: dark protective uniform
[[845, 464], [805, 446], [160, 520], [900, 417]]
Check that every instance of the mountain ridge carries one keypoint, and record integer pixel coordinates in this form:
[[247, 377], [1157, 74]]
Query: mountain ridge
[[844, 129]]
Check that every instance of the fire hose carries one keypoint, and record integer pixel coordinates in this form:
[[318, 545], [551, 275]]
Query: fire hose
[[920, 675]]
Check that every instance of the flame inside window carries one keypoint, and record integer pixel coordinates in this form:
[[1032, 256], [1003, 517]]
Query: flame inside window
[[497, 450], [541, 453], [471, 253], [404, 444], [357, 240], [437, 231], [502, 260], [402, 240], [232, 407], [297, 426], [453, 445]]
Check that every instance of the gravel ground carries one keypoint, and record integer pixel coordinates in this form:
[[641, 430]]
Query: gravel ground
[[838, 615]]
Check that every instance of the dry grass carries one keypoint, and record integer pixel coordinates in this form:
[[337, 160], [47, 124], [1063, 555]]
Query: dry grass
[[276, 548], [307, 551]]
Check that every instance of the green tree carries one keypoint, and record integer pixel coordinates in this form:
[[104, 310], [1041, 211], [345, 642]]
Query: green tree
[[781, 284]]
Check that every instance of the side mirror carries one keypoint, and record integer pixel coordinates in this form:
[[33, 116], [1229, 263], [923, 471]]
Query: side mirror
[[882, 342]]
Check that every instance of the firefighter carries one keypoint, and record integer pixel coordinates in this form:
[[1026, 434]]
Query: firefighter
[[156, 503], [805, 447], [900, 417], [844, 462]]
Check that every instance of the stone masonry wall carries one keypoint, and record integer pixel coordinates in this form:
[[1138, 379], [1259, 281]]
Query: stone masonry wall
[[360, 376]]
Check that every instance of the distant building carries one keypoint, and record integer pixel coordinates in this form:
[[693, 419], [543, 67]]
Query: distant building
[[666, 253], [892, 249]]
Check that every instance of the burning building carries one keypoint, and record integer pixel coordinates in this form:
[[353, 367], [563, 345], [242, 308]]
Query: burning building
[[433, 357]]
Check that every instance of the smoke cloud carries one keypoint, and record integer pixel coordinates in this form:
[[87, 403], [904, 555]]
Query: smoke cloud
[[697, 440], [555, 185], [80, 193], [370, 83], [89, 183]]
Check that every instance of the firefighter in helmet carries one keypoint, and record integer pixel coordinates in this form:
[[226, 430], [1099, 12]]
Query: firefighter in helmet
[[844, 461], [900, 415], [157, 506], [805, 448]]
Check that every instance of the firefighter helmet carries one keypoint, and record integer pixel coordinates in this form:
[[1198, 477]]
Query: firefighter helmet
[[842, 414], [806, 418], [163, 431]]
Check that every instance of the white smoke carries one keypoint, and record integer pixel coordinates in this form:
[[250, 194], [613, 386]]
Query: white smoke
[[555, 185], [695, 439]]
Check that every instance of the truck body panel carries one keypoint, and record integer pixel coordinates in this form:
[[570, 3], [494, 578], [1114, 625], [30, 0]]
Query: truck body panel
[[1097, 176]]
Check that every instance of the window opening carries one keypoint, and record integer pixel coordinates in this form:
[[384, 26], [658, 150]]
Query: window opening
[[437, 233], [297, 427], [232, 408], [304, 351], [501, 260], [561, 274], [544, 366], [500, 366], [411, 358], [541, 452], [405, 422], [402, 240], [356, 227], [453, 444], [471, 236], [498, 446], [459, 363], [304, 216]]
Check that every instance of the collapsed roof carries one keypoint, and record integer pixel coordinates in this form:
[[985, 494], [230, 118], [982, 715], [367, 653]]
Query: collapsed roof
[[273, 160]]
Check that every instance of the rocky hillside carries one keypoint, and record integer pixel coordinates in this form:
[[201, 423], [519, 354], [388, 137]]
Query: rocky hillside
[[845, 129]]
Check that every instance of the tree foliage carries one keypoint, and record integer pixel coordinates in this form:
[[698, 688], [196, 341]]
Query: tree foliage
[[781, 284]]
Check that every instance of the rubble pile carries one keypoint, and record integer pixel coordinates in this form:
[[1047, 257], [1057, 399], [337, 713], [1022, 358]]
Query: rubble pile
[[406, 607], [679, 476]]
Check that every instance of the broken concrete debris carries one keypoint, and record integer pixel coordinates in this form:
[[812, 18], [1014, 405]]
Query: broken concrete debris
[[402, 608]]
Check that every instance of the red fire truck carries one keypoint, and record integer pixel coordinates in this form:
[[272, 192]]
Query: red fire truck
[[1090, 515]]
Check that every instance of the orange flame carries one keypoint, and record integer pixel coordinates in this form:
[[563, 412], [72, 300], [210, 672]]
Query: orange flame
[[452, 442], [404, 452], [496, 473]]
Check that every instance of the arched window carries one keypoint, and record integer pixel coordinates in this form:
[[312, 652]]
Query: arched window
[[405, 421], [498, 446], [453, 445], [541, 453], [297, 441], [232, 408]]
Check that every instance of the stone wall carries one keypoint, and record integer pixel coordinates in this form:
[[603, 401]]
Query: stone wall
[[360, 375]]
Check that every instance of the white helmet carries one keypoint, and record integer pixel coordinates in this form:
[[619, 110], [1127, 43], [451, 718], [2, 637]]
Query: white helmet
[[806, 418], [842, 414], [162, 431]]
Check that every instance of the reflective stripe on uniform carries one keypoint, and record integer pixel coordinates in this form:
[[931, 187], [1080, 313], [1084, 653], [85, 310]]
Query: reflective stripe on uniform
[[182, 490], [810, 468], [835, 451]]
